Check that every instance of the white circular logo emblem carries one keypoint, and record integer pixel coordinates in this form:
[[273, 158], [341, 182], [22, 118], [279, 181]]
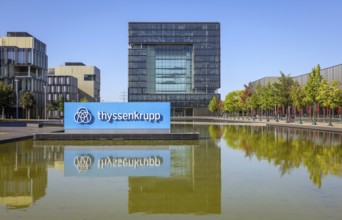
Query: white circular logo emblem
[[83, 116], [83, 163]]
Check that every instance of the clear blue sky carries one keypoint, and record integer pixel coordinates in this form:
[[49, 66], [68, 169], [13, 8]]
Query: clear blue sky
[[258, 37]]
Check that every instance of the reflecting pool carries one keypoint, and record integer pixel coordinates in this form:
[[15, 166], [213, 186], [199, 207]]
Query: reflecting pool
[[232, 172]]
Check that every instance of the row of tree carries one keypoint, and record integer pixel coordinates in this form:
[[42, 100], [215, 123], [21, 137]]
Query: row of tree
[[284, 97], [7, 99], [27, 101]]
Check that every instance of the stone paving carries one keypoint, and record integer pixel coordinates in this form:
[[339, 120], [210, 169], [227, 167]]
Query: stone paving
[[323, 126], [8, 134]]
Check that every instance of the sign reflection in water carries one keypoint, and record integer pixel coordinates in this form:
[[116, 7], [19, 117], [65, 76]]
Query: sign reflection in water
[[178, 179], [194, 181], [105, 162]]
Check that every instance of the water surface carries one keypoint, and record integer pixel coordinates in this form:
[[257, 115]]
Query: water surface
[[232, 172]]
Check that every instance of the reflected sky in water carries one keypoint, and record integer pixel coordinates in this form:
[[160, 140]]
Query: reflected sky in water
[[232, 172]]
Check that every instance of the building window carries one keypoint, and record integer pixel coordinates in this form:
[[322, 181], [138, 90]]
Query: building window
[[169, 68], [89, 77], [10, 54], [21, 56]]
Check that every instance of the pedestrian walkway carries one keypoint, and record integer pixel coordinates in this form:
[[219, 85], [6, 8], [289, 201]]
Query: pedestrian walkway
[[9, 134], [322, 126]]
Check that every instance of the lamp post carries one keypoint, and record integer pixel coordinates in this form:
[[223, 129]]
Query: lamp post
[[44, 102], [17, 98]]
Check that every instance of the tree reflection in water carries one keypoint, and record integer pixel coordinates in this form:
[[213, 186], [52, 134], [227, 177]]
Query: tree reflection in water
[[319, 152]]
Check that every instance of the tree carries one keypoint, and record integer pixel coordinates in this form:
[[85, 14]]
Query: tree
[[53, 106], [61, 105], [329, 95], [212, 107], [258, 99], [219, 106], [253, 101], [311, 90], [297, 96], [231, 103], [27, 102], [84, 99], [247, 93], [282, 92], [266, 98], [6, 97]]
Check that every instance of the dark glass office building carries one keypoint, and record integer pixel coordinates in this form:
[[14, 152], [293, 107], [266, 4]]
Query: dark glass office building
[[178, 62]]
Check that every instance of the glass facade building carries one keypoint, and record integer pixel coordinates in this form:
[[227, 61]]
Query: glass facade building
[[174, 62], [58, 87], [23, 59]]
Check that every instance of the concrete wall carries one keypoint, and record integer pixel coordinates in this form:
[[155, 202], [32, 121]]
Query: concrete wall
[[90, 89]]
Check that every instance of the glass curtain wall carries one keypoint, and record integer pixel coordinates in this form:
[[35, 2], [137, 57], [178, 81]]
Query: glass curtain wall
[[169, 68]]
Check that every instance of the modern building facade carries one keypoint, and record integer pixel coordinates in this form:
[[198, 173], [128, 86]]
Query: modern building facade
[[61, 87], [176, 62], [23, 62], [88, 81], [330, 73]]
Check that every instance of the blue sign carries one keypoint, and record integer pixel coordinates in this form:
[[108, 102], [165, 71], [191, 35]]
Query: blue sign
[[131, 117], [108, 163]]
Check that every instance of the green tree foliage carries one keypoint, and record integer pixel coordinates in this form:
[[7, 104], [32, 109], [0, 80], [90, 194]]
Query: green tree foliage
[[247, 93], [256, 99], [7, 95], [53, 106], [298, 98], [282, 89], [282, 92], [84, 99], [311, 89], [232, 102], [27, 102], [267, 98], [61, 105], [329, 95], [212, 107], [252, 101]]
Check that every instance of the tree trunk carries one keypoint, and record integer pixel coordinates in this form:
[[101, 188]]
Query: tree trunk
[[331, 112], [294, 113], [314, 112], [3, 113]]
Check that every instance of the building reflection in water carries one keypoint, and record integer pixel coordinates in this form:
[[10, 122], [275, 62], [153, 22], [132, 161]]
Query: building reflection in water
[[319, 152], [23, 174], [192, 184]]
